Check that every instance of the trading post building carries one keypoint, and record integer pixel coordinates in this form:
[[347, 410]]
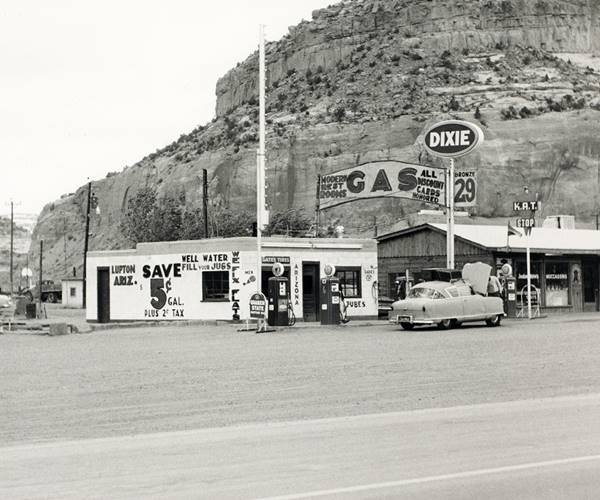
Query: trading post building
[[213, 279], [565, 263]]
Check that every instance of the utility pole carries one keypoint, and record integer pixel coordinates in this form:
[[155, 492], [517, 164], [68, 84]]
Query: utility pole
[[86, 241], [65, 243], [41, 277], [318, 206], [12, 289], [205, 200]]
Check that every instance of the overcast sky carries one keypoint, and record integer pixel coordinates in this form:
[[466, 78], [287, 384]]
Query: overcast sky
[[88, 87]]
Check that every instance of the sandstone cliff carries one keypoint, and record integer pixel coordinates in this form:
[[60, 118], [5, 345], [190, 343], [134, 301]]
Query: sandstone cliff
[[360, 82]]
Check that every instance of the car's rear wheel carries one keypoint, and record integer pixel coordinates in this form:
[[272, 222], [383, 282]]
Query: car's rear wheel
[[495, 321], [51, 298], [407, 326], [445, 324]]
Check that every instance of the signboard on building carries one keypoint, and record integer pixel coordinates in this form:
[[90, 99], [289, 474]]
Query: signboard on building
[[452, 138], [383, 179], [272, 259]]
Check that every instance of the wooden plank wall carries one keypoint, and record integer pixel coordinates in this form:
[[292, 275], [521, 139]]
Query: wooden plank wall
[[419, 250]]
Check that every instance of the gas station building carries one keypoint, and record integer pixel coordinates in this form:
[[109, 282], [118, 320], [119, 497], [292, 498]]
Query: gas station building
[[213, 279], [565, 263]]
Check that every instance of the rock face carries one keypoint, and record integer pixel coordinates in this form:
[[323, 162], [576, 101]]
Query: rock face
[[359, 83], [437, 25]]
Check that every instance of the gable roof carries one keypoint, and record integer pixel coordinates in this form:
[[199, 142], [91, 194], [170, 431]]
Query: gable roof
[[540, 240]]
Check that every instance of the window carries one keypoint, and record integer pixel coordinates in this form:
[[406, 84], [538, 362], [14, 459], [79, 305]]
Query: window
[[521, 274], [215, 285], [349, 281], [73, 291], [557, 284], [421, 292]]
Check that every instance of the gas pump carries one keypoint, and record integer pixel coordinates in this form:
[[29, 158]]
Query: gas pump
[[278, 296], [330, 297], [510, 291]]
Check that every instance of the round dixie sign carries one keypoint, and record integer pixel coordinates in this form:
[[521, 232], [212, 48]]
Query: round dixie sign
[[452, 138]]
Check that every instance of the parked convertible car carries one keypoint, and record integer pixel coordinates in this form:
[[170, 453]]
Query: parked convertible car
[[445, 305]]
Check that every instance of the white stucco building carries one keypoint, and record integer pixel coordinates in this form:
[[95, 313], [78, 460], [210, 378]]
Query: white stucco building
[[214, 278]]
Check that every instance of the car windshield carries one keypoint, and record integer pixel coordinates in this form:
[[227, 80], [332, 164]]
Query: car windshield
[[421, 292]]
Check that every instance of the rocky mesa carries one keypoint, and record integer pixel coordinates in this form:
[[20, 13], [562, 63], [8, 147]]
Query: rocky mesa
[[359, 82]]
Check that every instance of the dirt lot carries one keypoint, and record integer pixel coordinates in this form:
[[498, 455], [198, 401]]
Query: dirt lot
[[122, 382]]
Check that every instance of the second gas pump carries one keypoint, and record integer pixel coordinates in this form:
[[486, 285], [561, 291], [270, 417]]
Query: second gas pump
[[278, 296], [330, 297]]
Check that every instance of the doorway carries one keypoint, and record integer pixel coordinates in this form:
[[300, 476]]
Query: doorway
[[589, 270], [311, 306], [103, 295]]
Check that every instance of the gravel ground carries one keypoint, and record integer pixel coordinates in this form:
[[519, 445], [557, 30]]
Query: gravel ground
[[122, 382]]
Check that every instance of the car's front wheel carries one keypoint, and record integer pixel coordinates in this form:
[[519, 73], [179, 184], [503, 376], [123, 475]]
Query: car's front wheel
[[407, 326], [445, 324], [495, 321]]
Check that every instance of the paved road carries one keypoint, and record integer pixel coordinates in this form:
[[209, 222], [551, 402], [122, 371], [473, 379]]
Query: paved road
[[476, 412], [546, 448]]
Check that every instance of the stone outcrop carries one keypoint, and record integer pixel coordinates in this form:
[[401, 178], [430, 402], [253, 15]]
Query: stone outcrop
[[435, 25], [360, 82]]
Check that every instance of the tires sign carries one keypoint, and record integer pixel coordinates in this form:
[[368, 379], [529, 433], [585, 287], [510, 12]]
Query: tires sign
[[452, 138]]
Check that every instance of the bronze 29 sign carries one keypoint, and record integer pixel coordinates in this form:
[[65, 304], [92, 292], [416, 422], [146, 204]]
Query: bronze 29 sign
[[452, 138]]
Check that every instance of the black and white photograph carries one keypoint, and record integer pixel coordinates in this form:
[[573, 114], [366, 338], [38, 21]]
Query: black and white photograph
[[317, 249]]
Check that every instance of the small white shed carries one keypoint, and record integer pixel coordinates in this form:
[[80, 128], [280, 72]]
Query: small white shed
[[72, 292]]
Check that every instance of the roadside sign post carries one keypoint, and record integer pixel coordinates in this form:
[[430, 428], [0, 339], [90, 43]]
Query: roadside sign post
[[450, 257], [258, 309], [451, 139], [527, 223]]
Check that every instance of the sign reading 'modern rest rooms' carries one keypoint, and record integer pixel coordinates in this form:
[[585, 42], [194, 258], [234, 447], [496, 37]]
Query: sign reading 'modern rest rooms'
[[383, 179]]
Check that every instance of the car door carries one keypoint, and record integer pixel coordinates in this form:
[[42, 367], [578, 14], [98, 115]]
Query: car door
[[451, 306], [474, 306]]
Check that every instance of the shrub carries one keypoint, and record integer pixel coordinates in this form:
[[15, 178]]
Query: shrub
[[509, 113], [525, 112], [339, 113]]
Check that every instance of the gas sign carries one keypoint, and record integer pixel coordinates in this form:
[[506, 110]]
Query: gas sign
[[452, 138], [382, 179]]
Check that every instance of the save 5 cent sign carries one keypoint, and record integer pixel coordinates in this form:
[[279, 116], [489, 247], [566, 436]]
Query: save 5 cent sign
[[452, 138]]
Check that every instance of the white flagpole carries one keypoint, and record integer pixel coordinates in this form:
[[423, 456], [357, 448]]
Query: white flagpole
[[260, 163]]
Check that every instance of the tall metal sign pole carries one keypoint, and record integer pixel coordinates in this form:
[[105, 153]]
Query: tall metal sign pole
[[260, 163], [450, 256], [527, 223], [451, 139]]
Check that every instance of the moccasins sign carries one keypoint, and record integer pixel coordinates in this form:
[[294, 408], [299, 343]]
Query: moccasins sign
[[452, 138]]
